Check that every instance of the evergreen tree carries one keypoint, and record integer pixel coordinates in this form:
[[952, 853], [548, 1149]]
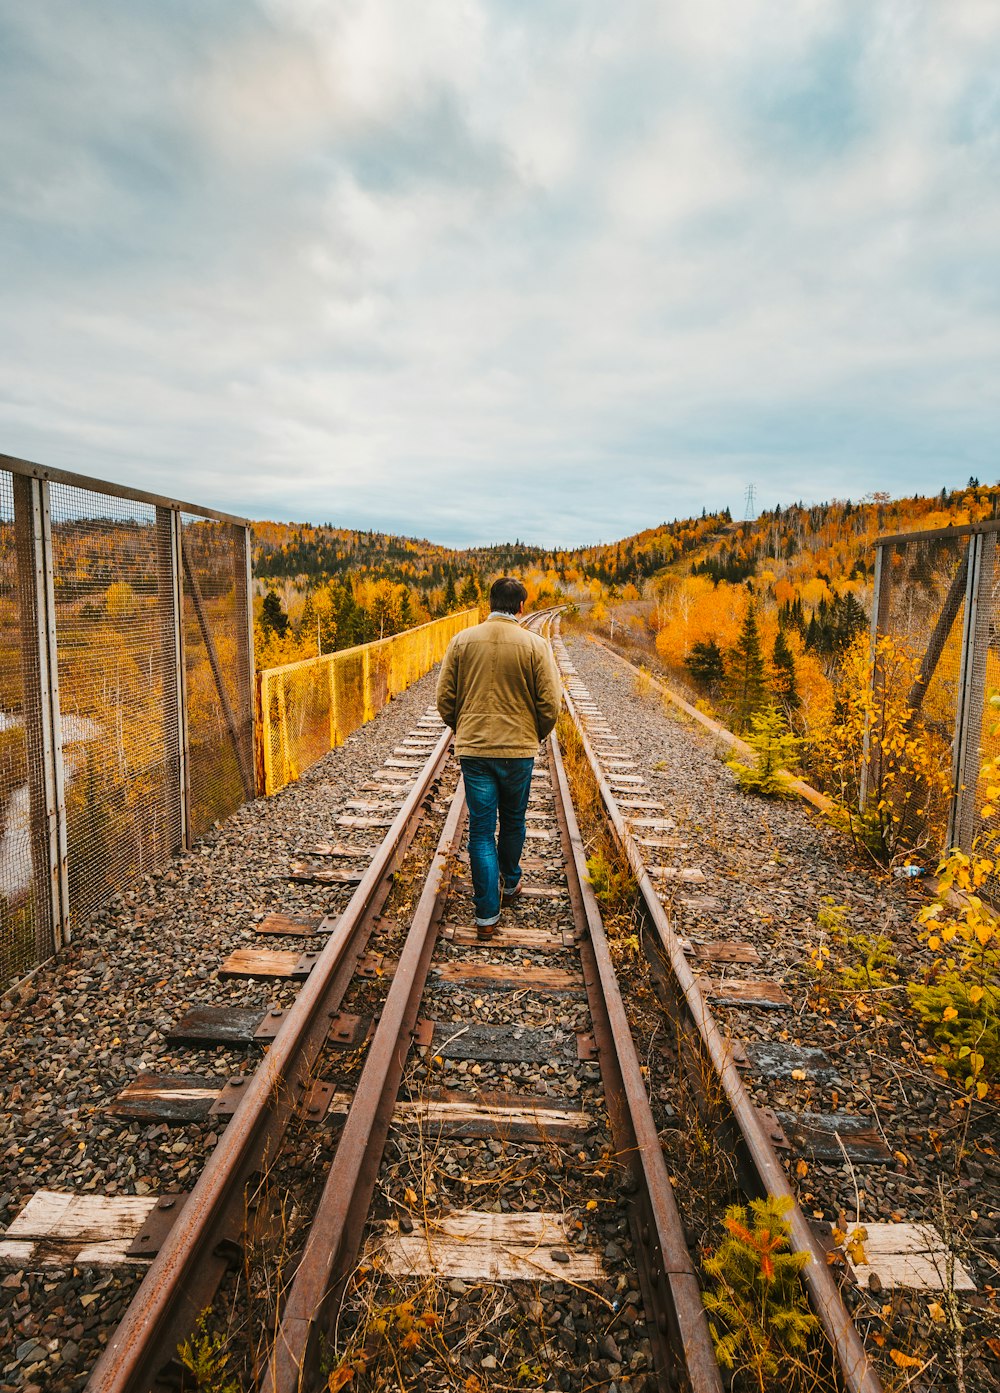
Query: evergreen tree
[[351, 620], [469, 594], [307, 624], [273, 619], [746, 680], [851, 621], [705, 664], [783, 660], [449, 600], [774, 747], [758, 1315]]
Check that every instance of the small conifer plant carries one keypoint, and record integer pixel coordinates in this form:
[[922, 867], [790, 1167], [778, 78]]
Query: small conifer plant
[[205, 1356], [759, 1319], [774, 745]]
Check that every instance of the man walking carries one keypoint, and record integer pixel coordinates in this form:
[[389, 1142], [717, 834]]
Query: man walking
[[499, 692]]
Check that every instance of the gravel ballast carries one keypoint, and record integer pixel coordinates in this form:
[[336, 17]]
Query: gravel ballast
[[772, 870], [87, 1023]]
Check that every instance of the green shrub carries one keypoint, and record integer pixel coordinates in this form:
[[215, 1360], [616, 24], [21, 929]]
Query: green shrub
[[206, 1359], [774, 745]]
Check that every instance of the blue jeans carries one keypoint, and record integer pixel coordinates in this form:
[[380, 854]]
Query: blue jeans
[[495, 787]]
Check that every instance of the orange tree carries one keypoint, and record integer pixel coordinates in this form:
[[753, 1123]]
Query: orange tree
[[870, 727]]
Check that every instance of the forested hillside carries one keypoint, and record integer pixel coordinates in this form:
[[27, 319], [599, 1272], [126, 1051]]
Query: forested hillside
[[685, 587], [321, 588], [770, 618], [806, 572]]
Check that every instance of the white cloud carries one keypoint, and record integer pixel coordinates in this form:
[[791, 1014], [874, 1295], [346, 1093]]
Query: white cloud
[[332, 257]]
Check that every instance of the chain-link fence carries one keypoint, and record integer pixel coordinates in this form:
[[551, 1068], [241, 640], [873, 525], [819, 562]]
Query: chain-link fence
[[306, 709], [26, 930], [126, 720], [218, 669], [935, 638]]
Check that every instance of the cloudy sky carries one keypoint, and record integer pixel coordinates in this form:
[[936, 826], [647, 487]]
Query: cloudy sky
[[477, 269]]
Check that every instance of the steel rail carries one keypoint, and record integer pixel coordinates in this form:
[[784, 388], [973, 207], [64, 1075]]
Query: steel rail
[[337, 1226], [671, 1289], [205, 1236], [852, 1360]]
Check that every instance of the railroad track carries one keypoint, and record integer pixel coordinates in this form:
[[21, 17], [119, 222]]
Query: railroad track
[[640, 824], [196, 1243], [580, 1254]]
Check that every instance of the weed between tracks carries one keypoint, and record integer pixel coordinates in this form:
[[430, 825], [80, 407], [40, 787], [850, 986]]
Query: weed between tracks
[[764, 1333]]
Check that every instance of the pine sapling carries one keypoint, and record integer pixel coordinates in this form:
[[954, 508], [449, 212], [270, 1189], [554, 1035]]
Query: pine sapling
[[774, 745], [759, 1318], [205, 1356]]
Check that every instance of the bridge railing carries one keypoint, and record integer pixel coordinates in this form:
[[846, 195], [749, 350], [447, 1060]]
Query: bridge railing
[[307, 708], [937, 598], [126, 693]]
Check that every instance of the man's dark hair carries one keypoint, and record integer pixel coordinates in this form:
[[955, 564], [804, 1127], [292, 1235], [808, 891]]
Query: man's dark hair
[[507, 595]]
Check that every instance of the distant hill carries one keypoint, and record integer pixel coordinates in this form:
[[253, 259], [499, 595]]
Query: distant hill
[[787, 548], [807, 574], [306, 552], [328, 587], [324, 588]]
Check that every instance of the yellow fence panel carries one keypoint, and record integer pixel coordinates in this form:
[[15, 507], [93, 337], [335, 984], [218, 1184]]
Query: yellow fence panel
[[306, 709]]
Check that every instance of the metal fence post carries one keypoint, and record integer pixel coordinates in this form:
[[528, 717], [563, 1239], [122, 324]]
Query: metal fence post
[[972, 691], [879, 605], [172, 657], [177, 568], [42, 722], [264, 772], [244, 612]]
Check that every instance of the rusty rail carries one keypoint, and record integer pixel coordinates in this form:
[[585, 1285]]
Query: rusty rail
[[678, 1327], [205, 1237], [336, 1228], [852, 1360]]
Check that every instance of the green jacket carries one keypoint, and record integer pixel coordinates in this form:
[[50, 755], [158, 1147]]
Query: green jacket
[[498, 690]]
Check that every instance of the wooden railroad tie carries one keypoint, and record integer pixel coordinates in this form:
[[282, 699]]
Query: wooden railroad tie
[[62, 1229], [286, 927], [226, 1025], [736, 991], [323, 875], [508, 936], [259, 964], [482, 1247]]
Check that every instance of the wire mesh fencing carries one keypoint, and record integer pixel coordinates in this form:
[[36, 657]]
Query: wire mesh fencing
[[26, 928], [218, 670], [111, 623], [121, 613], [935, 633], [306, 709]]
